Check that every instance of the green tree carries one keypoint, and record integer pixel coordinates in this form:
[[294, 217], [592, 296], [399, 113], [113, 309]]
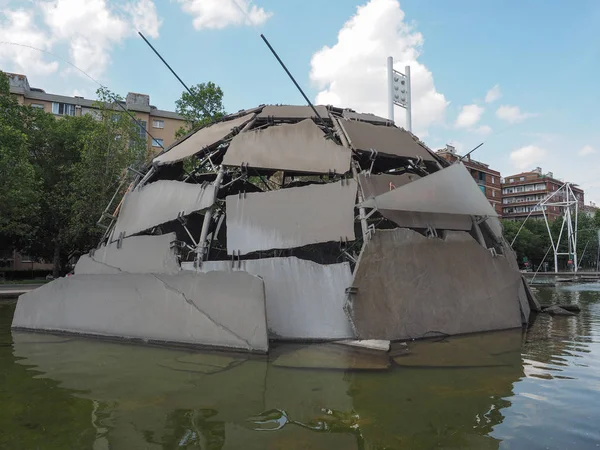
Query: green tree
[[79, 163], [18, 188], [202, 106], [110, 148], [532, 242]]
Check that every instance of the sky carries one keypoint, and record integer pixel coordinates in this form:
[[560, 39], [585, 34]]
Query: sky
[[522, 77]]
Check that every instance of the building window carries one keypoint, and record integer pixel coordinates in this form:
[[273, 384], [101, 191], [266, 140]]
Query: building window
[[522, 179], [158, 123], [63, 109], [482, 189], [481, 176], [512, 180], [37, 105], [157, 143], [142, 129], [493, 180], [493, 193]]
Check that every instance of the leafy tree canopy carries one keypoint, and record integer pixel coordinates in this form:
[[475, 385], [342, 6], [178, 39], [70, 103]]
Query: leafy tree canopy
[[202, 106]]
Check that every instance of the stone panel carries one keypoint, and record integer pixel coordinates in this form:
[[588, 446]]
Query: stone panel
[[410, 286]]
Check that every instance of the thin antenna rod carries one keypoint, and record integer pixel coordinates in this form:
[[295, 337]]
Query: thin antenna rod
[[463, 157], [292, 78], [165, 63]]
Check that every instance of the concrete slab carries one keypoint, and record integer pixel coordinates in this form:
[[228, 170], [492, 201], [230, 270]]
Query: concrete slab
[[301, 147], [374, 185], [218, 309], [390, 141], [203, 138], [369, 344], [88, 265], [409, 286], [439, 221], [138, 254], [293, 112], [289, 218], [305, 300], [451, 191], [366, 117], [160, 202]]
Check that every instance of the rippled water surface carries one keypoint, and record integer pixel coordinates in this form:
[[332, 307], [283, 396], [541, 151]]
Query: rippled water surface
[[539, 390]]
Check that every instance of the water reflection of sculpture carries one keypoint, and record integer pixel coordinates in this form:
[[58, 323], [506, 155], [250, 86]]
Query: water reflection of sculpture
[[158, 398]]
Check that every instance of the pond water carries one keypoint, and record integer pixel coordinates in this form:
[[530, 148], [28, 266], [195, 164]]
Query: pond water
[[538, 390]]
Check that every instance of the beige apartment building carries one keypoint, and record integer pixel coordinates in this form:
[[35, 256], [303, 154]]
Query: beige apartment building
[[161, 124]]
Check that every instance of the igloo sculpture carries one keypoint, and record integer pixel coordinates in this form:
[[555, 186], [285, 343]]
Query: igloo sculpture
[[288, 223]]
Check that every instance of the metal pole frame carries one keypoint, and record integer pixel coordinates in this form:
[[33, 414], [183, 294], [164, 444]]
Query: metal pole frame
[[408, 99], [202, 246], [598, 256], [569, 201], [390, 76]]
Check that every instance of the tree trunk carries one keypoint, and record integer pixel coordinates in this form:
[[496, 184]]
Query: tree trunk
[[56, 260]]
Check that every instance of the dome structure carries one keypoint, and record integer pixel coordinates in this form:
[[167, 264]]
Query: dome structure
[[292, 223]]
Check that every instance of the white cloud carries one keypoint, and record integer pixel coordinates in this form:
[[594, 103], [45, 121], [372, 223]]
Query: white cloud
[[352, 73], [525, 158], [512, 114], [144, 17], [587, 150], [493, 94], [19, 27], [484, 130], [469, 116], [90, 29], [218, 14]]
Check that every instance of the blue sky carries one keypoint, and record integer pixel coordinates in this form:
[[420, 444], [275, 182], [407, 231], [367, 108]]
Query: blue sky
[[542, 56]]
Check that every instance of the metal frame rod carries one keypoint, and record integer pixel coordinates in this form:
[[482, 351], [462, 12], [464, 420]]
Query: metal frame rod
[[165, 63], [390, 75], [463, 157], [360, 198], [174, 73], [292, 78], [202, 247], [408, 99]]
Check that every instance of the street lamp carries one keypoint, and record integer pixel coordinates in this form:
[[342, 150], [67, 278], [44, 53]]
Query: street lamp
[[399, 91]]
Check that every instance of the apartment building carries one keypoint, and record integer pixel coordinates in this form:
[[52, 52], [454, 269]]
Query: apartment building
[[522, 193], [487, 179], [161, 124]]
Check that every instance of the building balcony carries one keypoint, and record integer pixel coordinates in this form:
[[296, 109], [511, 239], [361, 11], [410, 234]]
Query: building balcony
[[516, 194]]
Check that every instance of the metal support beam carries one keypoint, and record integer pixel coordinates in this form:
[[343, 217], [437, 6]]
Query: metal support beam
[[570, 206], [390, 75], [202, 247], [408, 100], [361, 210]]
